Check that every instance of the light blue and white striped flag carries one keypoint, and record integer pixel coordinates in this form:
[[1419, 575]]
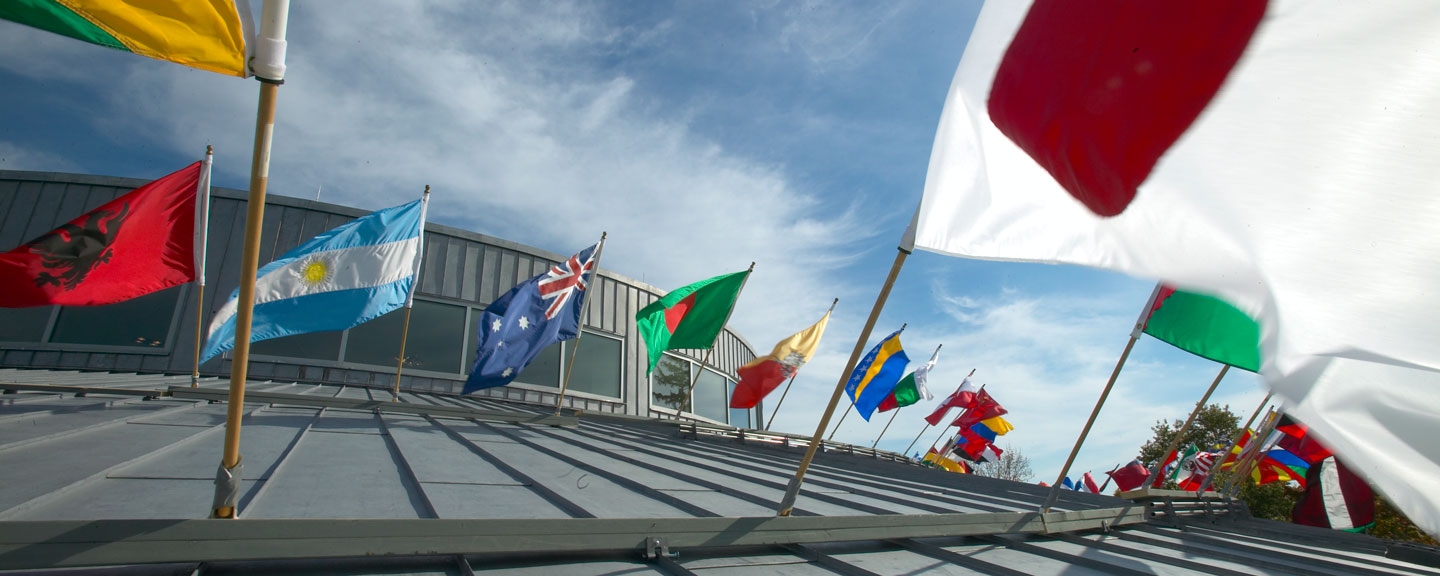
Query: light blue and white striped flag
[[342, 278]]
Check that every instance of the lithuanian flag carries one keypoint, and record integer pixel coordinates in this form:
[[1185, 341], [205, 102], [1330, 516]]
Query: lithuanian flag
[[204, 34]]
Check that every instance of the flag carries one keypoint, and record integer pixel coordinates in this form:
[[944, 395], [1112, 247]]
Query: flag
[[1205, 326], [1087, 484], [1306, 448], [204, 34], [529, 318], [1335, 498], [912, 387], [136, 244], [688, 317], [764, 374], [960, 398], [984, 407], [1184, 465], [1067, 483], [1192, 144], [877, 374], [1130, 476], [1199, 468], [935, 459], [1237, 449], [344, 277]]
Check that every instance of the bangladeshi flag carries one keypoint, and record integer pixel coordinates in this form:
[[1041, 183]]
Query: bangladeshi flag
[[1205, 326], [689, 317], [136, 244]]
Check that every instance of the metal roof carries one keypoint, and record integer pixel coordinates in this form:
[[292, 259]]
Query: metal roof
[[101, 469]]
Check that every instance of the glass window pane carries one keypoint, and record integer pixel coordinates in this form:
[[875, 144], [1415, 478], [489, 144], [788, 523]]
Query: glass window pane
[[473, 338], [313, 346], [24, 324], [143, 321], [739, 417], [670, 383], [710, 396], [597, 367], [544, 370], [433, 343]]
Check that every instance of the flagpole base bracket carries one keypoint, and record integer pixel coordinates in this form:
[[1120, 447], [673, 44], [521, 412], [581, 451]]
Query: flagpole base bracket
[[227, 489]]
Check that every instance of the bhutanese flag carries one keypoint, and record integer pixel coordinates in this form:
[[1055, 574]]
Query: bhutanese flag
[[877, 374], [935, 459], [762, 375], [204, 34], [689, 317], [912, 387], [1205, 326]]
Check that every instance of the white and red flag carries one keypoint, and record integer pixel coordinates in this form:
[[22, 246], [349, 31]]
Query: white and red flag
[[1279, 155]]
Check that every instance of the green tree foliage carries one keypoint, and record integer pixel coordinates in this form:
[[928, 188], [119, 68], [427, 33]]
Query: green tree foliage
[[1212, 430]]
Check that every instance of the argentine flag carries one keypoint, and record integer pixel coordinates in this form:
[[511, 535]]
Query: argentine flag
[[342, 278]]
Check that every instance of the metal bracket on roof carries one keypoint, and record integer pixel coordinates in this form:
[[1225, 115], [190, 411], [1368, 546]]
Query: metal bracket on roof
[[656, 547], [227, 485]]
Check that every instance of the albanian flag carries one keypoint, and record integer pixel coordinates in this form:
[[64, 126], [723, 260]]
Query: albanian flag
[[136, 244], [690, 316]]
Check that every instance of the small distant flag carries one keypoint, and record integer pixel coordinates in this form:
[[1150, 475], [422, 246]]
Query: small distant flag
[[204, 34], [877, 374], [1130, 476], [962, 396], [344, 277], [141, 242], [1067, 483], [912, 387], [539, 312], [1087, 484]]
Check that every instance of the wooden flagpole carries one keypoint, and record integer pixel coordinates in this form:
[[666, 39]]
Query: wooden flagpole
[[1246, 465], [269, 67], [202, 227], [1234, 440], [882, 430], [787, 503], [410, 299], [792, 377], [690, 402], [1180, 435], [580, 328], [852, 403], [1108, 478], [1134, 335]]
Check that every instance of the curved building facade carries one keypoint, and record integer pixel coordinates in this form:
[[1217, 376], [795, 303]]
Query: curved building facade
[[462, 273]]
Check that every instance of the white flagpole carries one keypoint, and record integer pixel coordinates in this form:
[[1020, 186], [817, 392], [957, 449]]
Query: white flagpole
[[202, 231], [410, 298]]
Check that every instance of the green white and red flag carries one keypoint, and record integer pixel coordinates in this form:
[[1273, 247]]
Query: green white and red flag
[[1205, 326], [689, 317]]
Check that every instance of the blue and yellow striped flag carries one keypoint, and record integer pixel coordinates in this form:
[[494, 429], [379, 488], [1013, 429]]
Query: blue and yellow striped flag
[[877, 374]]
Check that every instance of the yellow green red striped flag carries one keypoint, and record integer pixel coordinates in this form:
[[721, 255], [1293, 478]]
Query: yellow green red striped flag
[[204, 34]]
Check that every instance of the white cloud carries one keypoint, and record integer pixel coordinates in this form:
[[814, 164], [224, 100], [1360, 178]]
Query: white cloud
[[16, 157]]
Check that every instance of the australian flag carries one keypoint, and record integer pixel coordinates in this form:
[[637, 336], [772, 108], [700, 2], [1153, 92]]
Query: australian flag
[[539, 312]]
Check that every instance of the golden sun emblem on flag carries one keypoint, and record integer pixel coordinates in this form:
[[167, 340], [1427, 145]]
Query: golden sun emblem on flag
[[316, 272]]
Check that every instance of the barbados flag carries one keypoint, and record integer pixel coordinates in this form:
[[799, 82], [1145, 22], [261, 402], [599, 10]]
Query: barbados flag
[[342, 278], [877, 375]]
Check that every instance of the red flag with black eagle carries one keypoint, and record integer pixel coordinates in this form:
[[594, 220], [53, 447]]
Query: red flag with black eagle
[[136, 244]]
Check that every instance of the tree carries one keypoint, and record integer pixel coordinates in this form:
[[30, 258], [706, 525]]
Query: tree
[[1012, 465], [1212, 430]]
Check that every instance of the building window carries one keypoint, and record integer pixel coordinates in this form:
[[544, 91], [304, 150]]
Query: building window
[[544, 370], [312, 346], [710, 399], [436, 333], [670, 383], [598, 362], [139, 322], [739, 417], [24, 324]]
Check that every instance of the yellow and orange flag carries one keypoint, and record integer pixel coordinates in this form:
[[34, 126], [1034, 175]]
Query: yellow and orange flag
[[204, 34]]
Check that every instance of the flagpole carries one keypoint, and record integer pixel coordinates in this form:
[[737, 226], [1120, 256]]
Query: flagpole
[[852, 403], [927, 422], [787, 503], [887, 427], [410, 299], [1233, 441], [1247, 465], [202, 228], [690, 403], [580, 326], [1175, 442], [269, 68], [1134, 335], [792, 377], [1108, 478]]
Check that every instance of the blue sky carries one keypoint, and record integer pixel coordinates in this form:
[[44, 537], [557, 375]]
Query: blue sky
[[701, 136]]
